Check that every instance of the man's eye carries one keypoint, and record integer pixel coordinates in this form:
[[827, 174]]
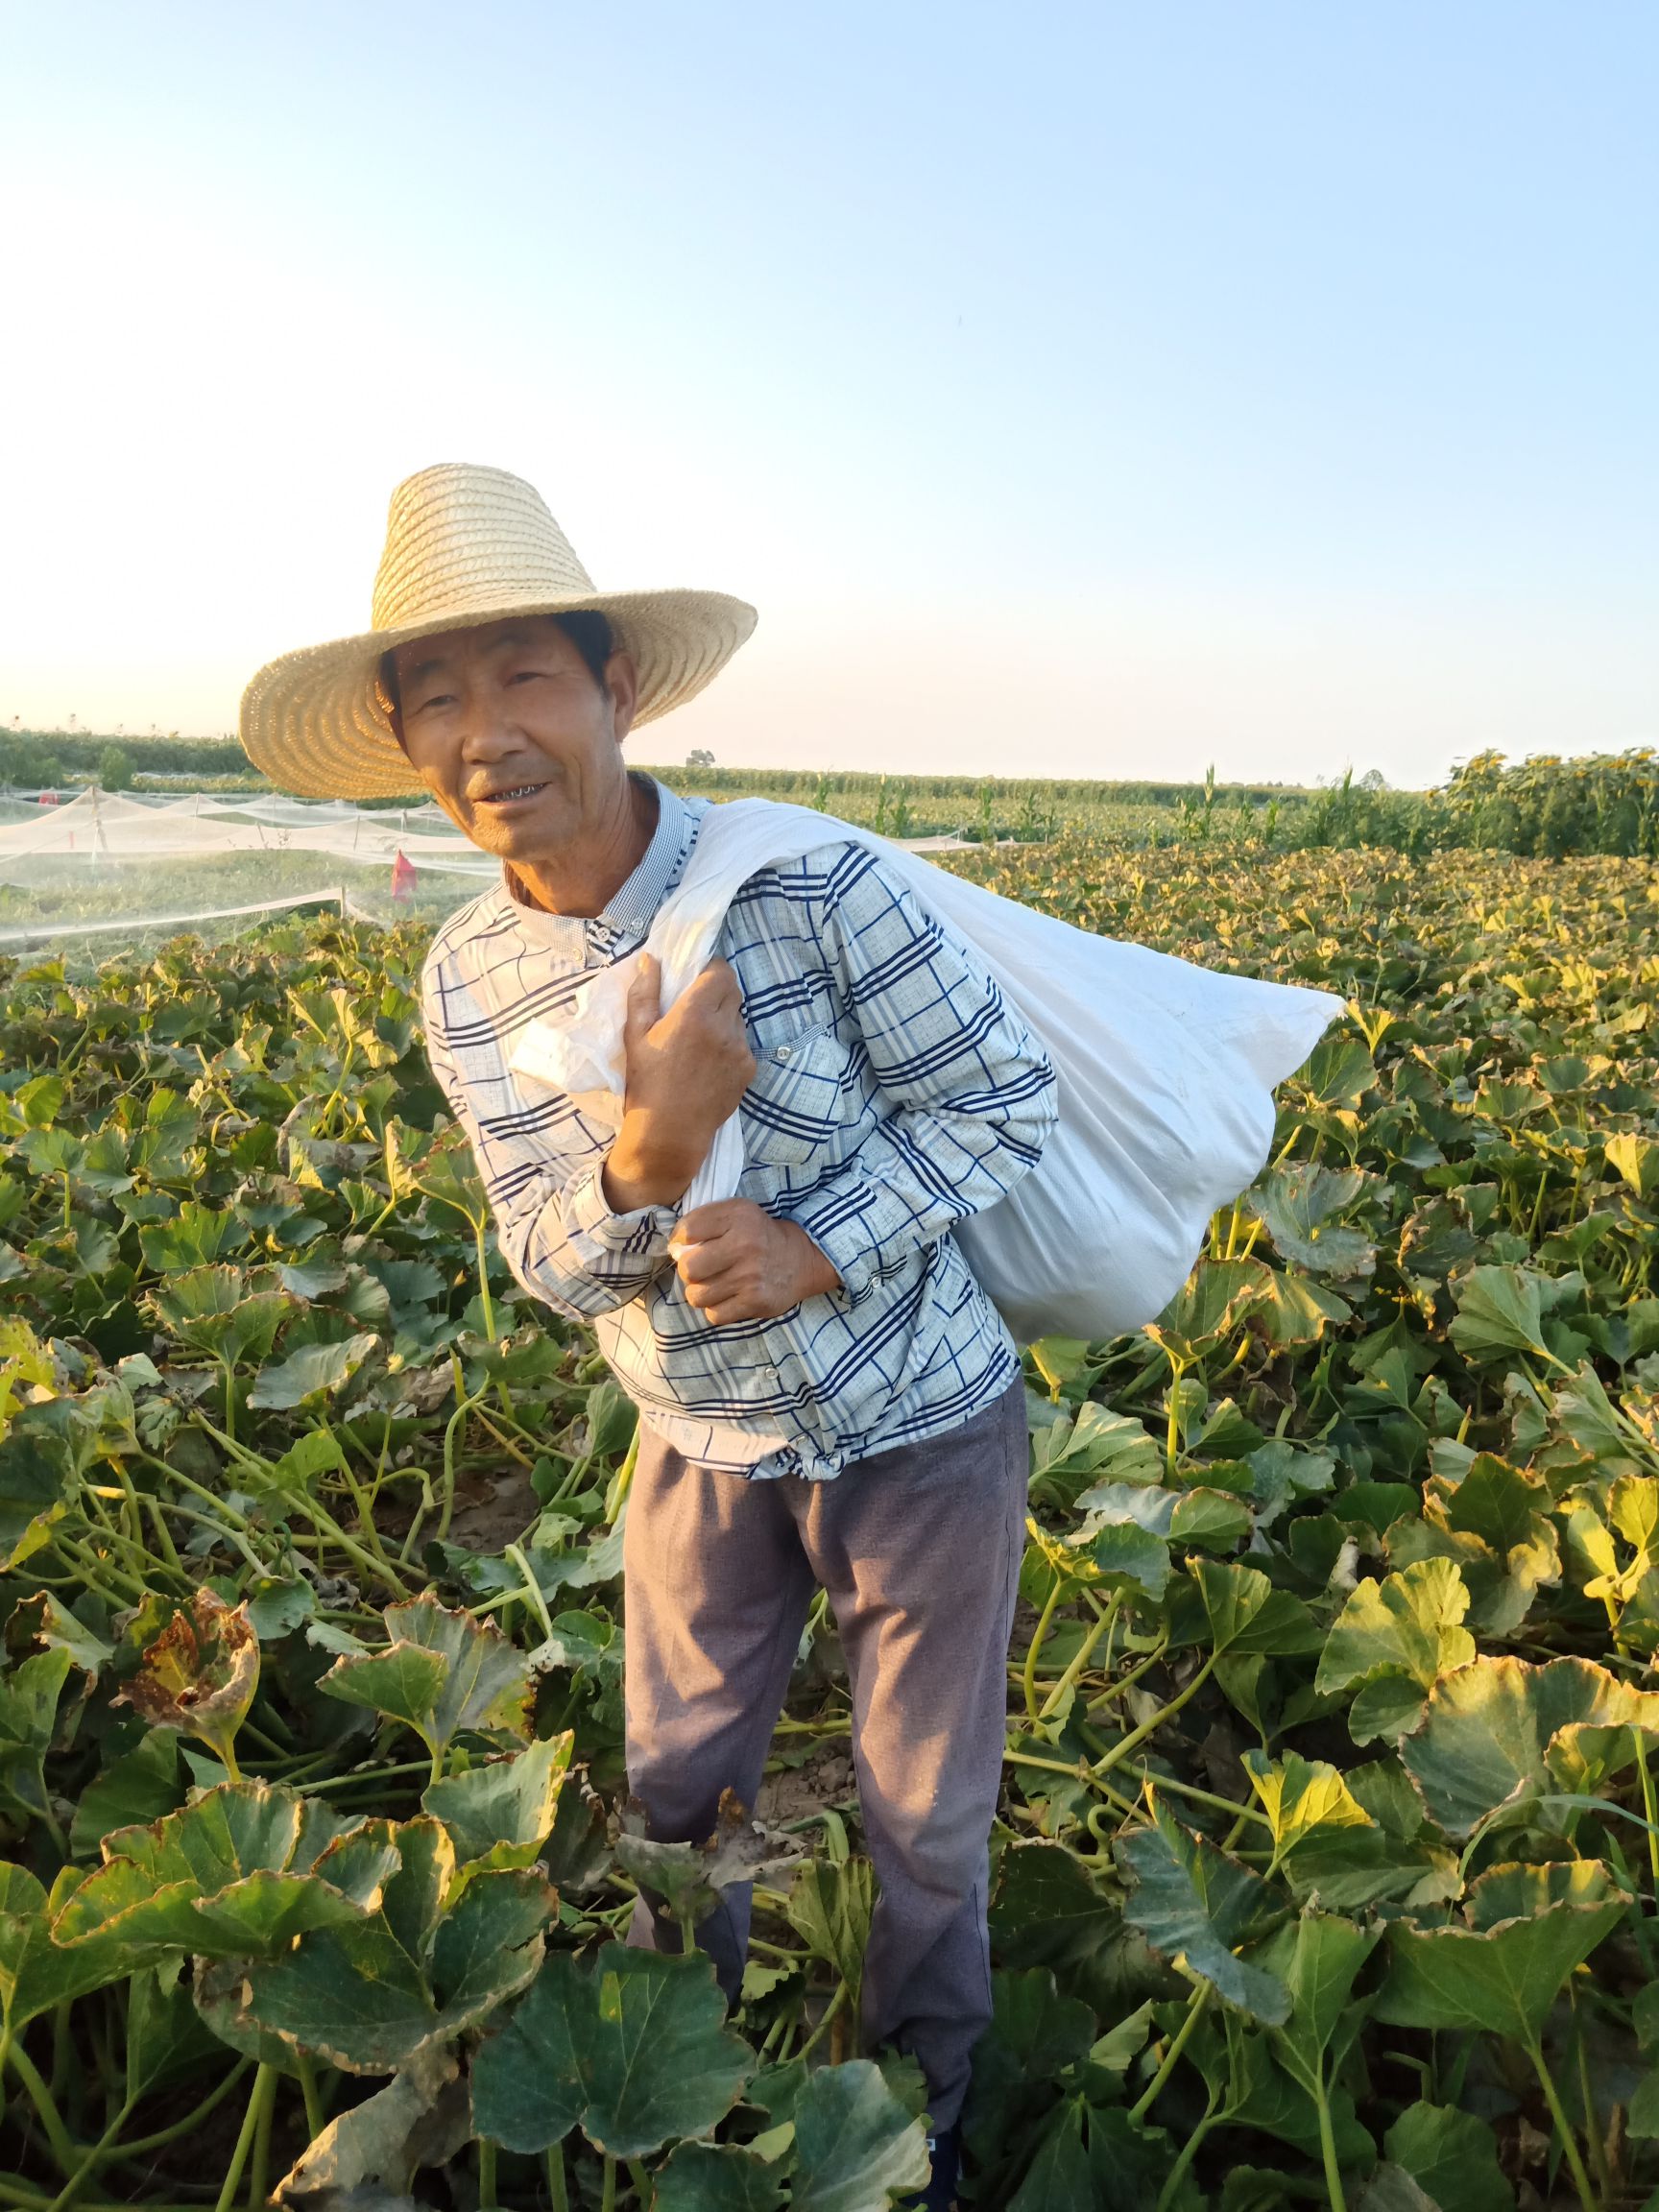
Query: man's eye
[[526, 676], [438, 699]]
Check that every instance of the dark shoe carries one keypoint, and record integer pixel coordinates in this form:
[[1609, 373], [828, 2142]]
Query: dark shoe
[[945, 2149]]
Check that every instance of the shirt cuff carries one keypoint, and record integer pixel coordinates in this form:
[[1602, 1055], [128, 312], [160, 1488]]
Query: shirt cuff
[[598, 1234], [846, 1223]]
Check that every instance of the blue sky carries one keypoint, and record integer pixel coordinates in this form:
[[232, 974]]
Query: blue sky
[[1106, 391]]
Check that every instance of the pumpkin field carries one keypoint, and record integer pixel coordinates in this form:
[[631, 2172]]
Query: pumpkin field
[[1327, 1870]]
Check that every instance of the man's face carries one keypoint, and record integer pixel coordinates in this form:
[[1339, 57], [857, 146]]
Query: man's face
[[512, 735]]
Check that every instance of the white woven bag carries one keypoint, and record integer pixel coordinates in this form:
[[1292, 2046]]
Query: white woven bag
[[1165, 1076]]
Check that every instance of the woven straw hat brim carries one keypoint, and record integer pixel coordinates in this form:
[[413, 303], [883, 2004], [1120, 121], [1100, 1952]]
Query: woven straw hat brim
[[313, 722]]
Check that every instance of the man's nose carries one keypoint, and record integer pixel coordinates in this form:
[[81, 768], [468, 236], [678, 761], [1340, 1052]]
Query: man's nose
[[485, 731]]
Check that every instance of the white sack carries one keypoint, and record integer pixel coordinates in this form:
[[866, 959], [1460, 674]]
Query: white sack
[[1165, 1076]]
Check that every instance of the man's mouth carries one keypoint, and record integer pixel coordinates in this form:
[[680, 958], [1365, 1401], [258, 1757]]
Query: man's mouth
[[508, 794]]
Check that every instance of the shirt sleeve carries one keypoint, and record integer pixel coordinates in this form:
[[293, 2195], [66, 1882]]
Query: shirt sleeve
[[554, 1228], [972, 1094]]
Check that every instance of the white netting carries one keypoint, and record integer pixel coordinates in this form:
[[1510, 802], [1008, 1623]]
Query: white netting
[[100, 866]]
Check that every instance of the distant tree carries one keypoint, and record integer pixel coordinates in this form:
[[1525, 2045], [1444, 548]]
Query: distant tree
[[1373, 780], [699, 759], [115, 768]]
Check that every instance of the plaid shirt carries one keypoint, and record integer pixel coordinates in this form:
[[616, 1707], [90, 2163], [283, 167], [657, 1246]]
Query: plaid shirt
[[896, 1093]]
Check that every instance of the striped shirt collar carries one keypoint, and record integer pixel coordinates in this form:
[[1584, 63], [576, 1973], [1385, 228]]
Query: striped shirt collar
[[589, 941]]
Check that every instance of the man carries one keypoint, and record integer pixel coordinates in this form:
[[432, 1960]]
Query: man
[[826, 1395]]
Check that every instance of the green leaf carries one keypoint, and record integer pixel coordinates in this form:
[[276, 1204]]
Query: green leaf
[[357, 1997], [1045, 1909], [1035, 2034], [196, 1235], [831, 1904], [1300, 1796], [220, 1310], [1529, 1927], [1246, 1614], [1214, 1302], [276, 1608], [238, 1873], [314, 1276], [1058, 2179], [1096, 1440], [1317, 1958], [632, 2048], [1300, 1204], [1500, 1312], [1397, 1637], [1487, 1727], [46, 1620], [710, 2178], [442, 1672], [1338, 1072], [1127, 1556], [684, 1880], [1637, 1160], [37, 1473], [314, 1371], [375, 2141], [506, 1806], [1212, 1518], [1195, 1906], [139, 1787], [1392, 2189], [1453, 2157], [856, 2145], [29, 1697], [36, 1973]]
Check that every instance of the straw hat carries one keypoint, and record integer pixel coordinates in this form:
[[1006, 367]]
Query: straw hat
[[463, 545]]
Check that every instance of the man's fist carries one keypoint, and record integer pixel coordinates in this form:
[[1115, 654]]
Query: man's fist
[[737, 1264], [685, 1073]]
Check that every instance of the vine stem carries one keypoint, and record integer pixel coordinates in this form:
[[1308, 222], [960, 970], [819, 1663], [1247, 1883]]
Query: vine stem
[[831, 2010], [315, 2122], [1173, 1434], [1029, 1677], [258, 2171], [1138, 1736], [1113, 1691], [243, 2140], [1568, 2140], [1178, 2173], [1648, 1807], [1328, 2151], [1196, 2006], [487, 2199], [558, 2193], [171, 2133], [58, 2136], [608, 2187], [1103, 1621]]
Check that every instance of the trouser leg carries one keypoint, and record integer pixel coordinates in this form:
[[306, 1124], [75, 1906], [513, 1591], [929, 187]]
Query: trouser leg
[[715, 1592], [919, 1549]]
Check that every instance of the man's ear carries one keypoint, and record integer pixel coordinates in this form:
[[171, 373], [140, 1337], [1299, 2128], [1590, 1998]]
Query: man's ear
[[621, 686]]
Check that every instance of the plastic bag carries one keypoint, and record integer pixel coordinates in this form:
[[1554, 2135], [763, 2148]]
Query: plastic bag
[[1166, 1074]]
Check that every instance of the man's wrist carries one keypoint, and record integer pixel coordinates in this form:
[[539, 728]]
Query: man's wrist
[[638, 1171], [815, 1271], [630, 1184]]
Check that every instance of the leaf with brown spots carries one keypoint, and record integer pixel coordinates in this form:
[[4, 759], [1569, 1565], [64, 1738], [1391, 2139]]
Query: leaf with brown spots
[[199, 1674]]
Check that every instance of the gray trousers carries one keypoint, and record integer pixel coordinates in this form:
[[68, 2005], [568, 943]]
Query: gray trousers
[[919, 1550]]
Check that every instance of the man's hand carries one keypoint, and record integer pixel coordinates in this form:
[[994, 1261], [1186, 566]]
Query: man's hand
[[737, 1264], [685, 1072]]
